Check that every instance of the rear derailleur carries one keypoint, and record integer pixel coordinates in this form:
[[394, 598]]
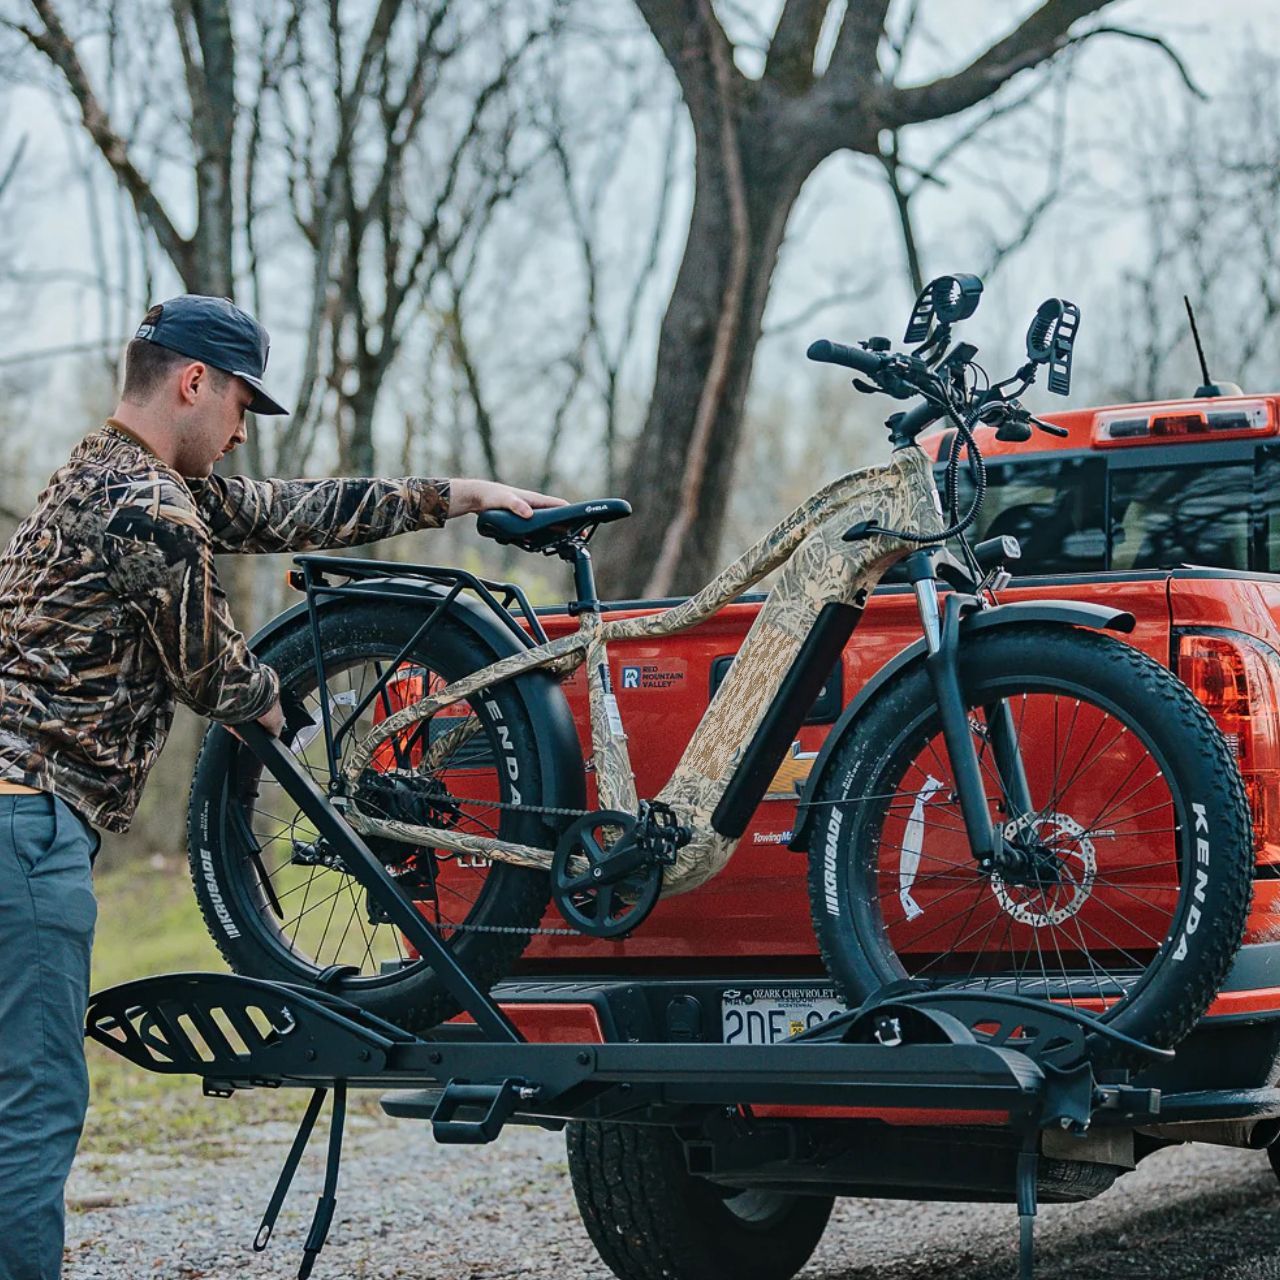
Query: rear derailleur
[[396, 797], [606, 874]]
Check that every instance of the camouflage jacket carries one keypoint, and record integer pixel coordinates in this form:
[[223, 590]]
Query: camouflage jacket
[[110, 607]]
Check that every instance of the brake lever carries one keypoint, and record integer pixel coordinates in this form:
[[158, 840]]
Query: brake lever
[[1048, 427]]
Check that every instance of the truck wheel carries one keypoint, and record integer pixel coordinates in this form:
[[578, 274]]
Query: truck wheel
[[650, 1219]]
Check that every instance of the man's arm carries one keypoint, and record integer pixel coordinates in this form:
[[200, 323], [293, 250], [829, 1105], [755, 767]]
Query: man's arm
[[160, 561], [313, 515]]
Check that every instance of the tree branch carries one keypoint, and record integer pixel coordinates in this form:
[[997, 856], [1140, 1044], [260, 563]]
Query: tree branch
[[1148, 37], [677, 26], [326, 216], [1039, 37], [790, 60], [854, 61], [902, 206], [56, 45], [10, 169]]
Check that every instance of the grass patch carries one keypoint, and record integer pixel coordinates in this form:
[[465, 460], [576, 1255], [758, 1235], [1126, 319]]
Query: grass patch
[[149, 923]]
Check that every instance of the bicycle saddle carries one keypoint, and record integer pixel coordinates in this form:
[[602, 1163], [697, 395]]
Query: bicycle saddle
[[551, 525]]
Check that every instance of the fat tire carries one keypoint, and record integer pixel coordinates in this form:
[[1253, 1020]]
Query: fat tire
[[514, 897], [1200, 765], [650, 1219]]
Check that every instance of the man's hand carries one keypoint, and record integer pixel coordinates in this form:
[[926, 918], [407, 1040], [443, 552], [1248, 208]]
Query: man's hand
[[469, 496], [272, 720]]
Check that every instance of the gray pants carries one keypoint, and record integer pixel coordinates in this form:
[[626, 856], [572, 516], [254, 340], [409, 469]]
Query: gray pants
[[47, 914]]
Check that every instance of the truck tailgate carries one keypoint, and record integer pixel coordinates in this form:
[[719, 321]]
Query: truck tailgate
[[758, 906]]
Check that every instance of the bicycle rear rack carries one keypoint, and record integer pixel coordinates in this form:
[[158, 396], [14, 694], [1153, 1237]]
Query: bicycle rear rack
[[1021, 1059]]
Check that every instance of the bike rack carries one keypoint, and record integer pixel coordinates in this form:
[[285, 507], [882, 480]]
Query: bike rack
[[904, 1048]]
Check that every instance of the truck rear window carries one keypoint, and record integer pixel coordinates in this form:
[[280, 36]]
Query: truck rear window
[[1054, 507], [1086, 514], [1189, 514]]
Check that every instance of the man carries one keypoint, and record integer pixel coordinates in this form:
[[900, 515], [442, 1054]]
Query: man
[[109, 610]]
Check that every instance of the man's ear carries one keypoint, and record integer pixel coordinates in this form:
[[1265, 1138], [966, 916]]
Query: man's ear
[[191, 378]]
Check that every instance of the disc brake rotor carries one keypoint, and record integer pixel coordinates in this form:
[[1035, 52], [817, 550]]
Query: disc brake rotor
[[1062, 839]]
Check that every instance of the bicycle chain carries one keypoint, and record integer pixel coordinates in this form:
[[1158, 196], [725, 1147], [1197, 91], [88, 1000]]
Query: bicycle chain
[[558, 812], [518, 808]]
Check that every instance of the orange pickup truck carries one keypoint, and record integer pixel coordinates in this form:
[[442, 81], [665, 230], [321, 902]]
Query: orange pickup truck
[[1168, 511]]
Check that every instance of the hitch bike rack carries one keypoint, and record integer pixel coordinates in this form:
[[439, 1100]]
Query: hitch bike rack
[[906, 1047]]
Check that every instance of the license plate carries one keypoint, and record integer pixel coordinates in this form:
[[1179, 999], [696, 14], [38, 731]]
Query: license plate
[[765, 1015]]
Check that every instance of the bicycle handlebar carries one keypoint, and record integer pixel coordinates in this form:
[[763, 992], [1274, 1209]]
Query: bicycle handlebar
[[950, 385], [824, 351], [925, 414]]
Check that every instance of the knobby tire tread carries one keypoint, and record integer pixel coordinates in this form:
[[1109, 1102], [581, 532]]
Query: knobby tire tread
[[1169, 1021], [642, 1210]]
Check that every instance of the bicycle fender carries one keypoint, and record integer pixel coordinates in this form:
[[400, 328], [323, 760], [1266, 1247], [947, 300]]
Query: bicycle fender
[[1070, 613], [559, 750]]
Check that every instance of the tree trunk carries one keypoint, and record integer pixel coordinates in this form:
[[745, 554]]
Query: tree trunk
[[213, 137], [358, 445], [685, 349]]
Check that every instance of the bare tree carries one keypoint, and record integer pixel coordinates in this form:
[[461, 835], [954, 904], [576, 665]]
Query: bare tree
[[303, 108], [757, 141], [203, 259], [1198, 200], [394, 207]]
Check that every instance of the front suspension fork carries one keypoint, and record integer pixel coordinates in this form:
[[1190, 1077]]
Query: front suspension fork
[[941, 622]]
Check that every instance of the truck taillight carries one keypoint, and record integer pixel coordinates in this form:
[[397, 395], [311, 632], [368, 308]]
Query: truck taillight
[[1237, 680]]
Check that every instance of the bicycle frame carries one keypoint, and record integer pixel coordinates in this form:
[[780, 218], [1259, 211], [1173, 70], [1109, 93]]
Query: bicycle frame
[[794, 642]]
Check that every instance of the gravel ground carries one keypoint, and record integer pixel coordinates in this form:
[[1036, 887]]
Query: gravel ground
[[410, 1210]]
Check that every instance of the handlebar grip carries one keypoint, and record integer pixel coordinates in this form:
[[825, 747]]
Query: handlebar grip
[[824, 351]]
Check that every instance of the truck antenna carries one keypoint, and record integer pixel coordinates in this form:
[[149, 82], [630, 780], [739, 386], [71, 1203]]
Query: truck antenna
[[1195, 336], [1208, 388]]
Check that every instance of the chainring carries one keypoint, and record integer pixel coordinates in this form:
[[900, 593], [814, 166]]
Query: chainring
[[584, 896]]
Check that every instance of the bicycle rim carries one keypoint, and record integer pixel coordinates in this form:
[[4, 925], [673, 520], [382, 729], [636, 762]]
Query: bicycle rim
[[1086, 920], [311, 911]]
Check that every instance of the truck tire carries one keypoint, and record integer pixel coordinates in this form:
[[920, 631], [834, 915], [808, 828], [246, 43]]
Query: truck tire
[[650, 1219], [1139, 848]]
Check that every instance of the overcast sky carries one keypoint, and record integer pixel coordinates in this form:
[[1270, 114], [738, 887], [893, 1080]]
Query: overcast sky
[[841, 228]]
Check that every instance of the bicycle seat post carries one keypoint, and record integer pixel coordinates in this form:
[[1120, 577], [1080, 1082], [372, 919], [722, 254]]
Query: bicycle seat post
[[584, 579]]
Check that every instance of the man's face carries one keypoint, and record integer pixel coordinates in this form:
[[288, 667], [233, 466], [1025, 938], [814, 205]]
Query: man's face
[[214, 423]]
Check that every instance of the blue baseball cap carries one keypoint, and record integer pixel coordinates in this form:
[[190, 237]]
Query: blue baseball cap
[[217, 332]]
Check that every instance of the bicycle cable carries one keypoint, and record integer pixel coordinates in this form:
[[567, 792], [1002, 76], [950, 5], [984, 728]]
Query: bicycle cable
[[977, 469]]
